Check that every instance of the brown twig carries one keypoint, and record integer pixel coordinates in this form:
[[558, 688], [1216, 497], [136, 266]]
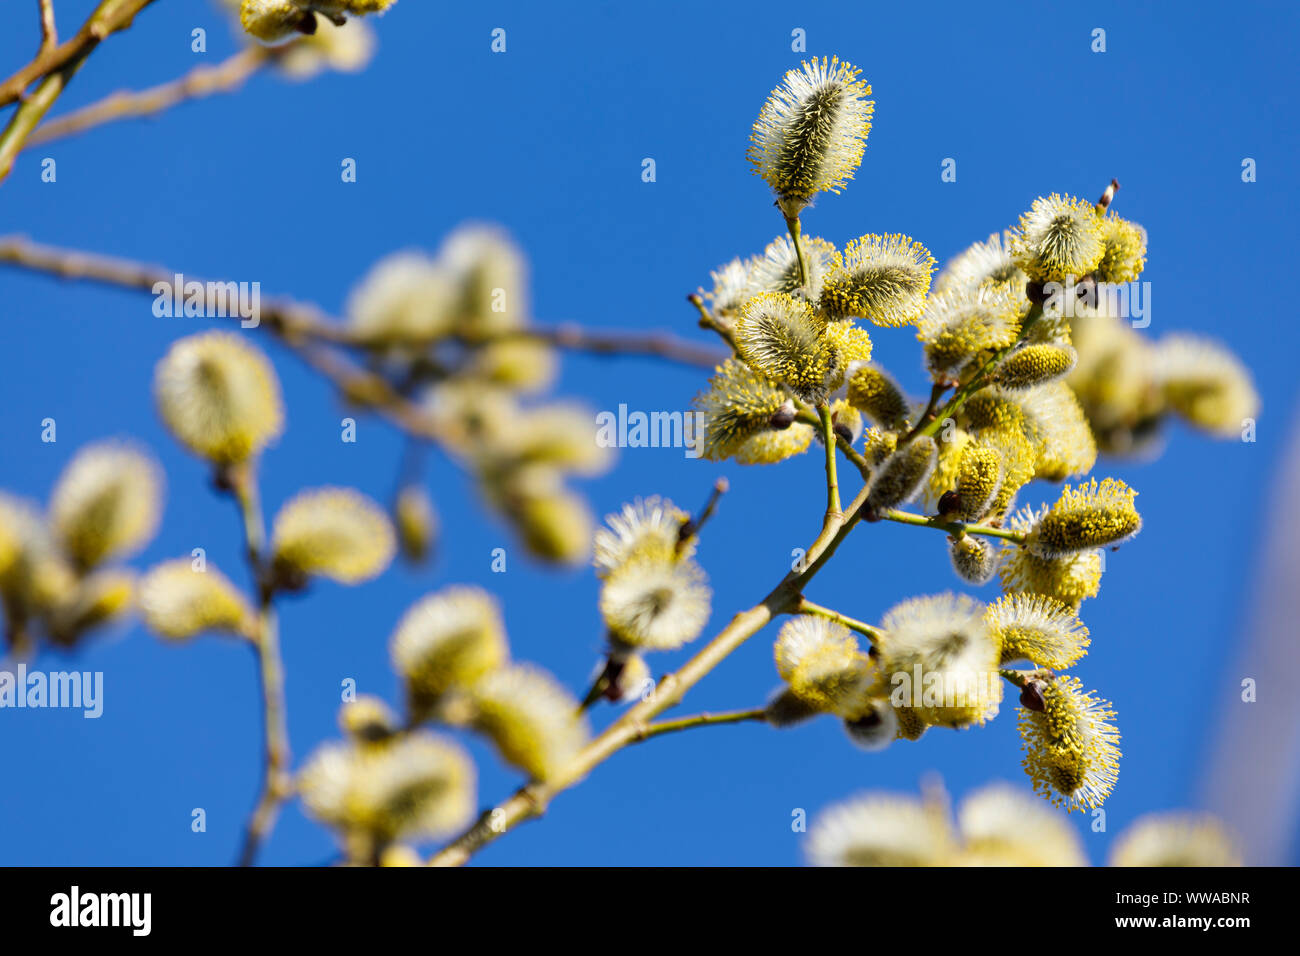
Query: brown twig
[[199, 82], [108, 18], [49, 32], [298, 321]]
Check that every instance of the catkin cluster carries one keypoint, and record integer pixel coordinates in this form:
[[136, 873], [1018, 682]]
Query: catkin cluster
[[1018, 392], [60, 571], [451, 331]]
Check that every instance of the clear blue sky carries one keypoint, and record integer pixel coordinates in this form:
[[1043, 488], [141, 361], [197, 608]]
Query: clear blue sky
[[548, 139]]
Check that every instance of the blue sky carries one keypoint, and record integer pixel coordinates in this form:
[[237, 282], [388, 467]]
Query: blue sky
[[548, 139]]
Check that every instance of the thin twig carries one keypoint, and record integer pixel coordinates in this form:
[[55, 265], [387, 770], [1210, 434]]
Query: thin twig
[[659, 728], [199, 82], [952, 527], [108, 18], [296, 321], [49, 32], [276, 781]]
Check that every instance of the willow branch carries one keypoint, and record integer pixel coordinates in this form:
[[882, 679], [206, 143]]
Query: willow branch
[[575, 338], [200, 82], [531, 801], [108, 18], [276, 781], [659, 728], [297, 322]]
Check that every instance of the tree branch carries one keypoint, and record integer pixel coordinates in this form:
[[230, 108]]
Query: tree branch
[[108, 18], [199, 82], [531, 800]]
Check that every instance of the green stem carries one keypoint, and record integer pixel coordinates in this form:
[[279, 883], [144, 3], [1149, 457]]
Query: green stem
[[871, 633], [952, 527], [698, 720], [808, 417], [831, 440], [792, 224]]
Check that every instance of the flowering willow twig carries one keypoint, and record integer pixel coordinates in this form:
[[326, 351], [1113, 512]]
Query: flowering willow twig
[[202, 81], [276, 783], [808, 607], [659, 728], [531, 800], [612, 669]]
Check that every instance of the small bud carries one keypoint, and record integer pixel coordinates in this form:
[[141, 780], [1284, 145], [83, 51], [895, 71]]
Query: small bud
[[783, 417], [949, 503], [368, 720], [416, 522], [626, 677], [1031, 696]]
